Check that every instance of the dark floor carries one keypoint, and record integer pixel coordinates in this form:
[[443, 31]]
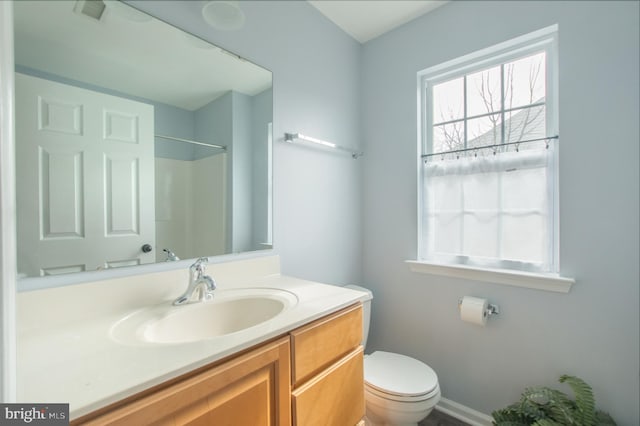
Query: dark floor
[[436, 418]]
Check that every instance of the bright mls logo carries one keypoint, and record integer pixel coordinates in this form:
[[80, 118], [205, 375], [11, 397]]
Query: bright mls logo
[[34, 414]]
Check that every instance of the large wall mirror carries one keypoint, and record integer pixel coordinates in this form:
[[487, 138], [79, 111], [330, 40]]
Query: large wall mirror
[[136, 142]]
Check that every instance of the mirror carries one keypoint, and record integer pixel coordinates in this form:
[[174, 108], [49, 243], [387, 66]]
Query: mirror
[[133, 137]]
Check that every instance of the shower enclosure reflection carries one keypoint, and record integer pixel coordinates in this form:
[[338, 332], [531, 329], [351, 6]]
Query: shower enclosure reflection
[[190, 182]]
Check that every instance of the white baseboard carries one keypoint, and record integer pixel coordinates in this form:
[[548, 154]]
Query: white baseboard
[[464, 413]]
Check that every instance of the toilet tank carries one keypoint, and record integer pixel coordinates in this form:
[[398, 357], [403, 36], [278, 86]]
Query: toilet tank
[[366, 312]]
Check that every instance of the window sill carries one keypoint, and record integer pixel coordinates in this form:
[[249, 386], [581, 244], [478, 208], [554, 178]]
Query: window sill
[[545, 282]]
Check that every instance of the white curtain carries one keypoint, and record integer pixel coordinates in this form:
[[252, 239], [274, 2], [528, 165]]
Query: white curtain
[[490, 210]]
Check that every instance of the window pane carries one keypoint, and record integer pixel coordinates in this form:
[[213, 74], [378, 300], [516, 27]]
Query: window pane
[[480, 234], [524, 238], [525, 81], [443, 195], [447, 137], [483, 92], [447, 233], [480, 190], [525, 124], [484, 131], [481, 204], [448, 100], [525, 190]]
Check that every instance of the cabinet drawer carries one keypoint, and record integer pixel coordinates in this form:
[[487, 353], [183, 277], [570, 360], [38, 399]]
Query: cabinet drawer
[[252, 389], [319, 344], [333, 398]]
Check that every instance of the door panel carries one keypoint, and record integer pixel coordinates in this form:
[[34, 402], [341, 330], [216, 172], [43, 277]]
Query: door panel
[[121, 196], [61, 173]]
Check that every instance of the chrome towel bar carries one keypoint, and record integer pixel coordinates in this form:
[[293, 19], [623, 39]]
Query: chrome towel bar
[[291, 137]]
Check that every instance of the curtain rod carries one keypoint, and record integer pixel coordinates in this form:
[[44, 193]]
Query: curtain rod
[[455, 151], [210, 145], [290, 137]]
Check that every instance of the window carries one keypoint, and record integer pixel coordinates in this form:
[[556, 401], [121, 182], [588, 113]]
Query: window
[[489, 158]]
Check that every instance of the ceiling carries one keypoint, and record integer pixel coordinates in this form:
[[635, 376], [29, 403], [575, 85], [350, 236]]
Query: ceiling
[[365, 19]]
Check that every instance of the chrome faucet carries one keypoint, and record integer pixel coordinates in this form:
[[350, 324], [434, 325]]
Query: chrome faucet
[[200, 285]]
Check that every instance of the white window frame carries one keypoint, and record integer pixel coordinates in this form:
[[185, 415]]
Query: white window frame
[[546, 40]]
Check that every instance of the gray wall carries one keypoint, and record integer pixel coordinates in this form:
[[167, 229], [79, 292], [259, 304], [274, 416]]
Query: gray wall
[[214, 123], [175, 122], [591, 332], [229, 121], [316, 73]]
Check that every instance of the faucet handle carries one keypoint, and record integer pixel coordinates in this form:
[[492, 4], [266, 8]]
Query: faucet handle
[[198, 263], [197, 269], [201, 262]]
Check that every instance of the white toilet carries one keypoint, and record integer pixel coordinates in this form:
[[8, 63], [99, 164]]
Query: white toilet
[[399, 390]]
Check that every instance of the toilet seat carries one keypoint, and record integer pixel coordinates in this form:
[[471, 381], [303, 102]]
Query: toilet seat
[[399, 378]]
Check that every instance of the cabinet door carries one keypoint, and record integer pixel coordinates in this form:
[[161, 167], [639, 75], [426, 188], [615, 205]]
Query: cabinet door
[[252, 389], [333, 398]]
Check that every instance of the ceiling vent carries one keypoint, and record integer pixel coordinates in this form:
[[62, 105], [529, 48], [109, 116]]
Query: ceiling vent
[[92, 8]]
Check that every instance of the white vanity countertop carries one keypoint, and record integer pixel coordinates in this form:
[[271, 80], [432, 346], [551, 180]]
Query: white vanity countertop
[[66, 353]]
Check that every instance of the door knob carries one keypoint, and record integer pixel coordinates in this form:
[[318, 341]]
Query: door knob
[[146, 248]]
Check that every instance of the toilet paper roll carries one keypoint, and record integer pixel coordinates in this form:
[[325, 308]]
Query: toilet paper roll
[[474, 310]]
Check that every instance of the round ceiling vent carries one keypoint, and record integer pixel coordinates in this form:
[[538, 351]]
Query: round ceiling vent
[[223, 15]]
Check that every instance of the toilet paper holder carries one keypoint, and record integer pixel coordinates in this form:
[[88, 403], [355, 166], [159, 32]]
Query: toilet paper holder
[[491, 308]]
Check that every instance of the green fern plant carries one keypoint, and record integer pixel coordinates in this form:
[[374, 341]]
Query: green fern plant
[[543, 406]]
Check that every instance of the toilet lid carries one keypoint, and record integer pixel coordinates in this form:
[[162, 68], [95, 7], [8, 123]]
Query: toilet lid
[[397, 374]]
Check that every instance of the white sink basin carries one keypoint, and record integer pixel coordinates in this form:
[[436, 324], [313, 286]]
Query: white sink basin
[[230, 311]]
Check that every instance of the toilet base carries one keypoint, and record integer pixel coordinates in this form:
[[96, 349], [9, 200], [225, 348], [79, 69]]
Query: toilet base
[[384, 412]]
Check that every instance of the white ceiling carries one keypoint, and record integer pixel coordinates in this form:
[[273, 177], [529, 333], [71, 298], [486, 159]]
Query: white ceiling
[[366, 19]]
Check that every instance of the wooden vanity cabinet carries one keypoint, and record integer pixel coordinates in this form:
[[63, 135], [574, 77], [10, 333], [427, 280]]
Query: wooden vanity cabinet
[[251, 389], [312, 376]]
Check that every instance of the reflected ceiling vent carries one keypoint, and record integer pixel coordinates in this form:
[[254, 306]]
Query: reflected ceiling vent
[[91, 8], [223, 15]]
